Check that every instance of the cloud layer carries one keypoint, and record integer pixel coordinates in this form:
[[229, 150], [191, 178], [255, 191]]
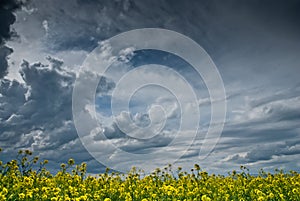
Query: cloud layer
[[253, 44]]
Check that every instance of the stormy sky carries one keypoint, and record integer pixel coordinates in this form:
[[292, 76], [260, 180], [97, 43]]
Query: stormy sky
[[255, 46]]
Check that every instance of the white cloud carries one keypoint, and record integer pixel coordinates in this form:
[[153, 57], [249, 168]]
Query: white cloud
[[45, 26]]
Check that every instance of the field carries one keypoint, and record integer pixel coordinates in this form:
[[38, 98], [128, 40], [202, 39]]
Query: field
[[26, 178]]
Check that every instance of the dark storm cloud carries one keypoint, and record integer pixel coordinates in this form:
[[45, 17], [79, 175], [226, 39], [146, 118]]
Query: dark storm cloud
[[246, 39], [7, 18], [41, 104], [4, 52], [214, 24], [37, 114]]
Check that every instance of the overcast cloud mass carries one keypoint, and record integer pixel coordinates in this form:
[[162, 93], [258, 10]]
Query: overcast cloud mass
[[254, 44]]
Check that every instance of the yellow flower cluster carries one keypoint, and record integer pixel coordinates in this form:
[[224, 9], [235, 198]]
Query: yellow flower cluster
[[18, 181]]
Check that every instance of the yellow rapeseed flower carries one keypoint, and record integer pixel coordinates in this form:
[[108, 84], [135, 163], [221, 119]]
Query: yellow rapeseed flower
[[21, 195]]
